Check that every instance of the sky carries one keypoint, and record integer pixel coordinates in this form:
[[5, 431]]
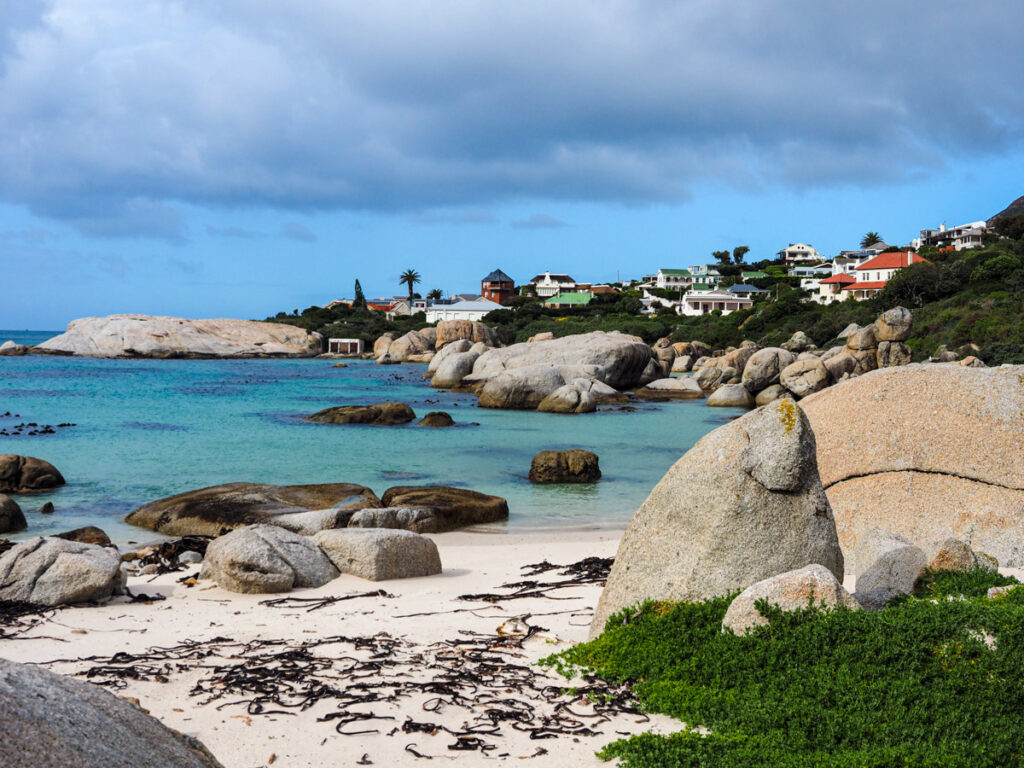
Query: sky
[[236, 158]]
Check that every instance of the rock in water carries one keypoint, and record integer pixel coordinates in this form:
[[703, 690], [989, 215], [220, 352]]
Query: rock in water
[[149, 336], [263, 559], [683, 388], [573, 466], [731, 396], [52, 721], [789, 591], [436, 419], [22, 474], [53, 571], [742, 505], [10, 349], [11, 516], [90, 534], [380, 414], [210, 511], [378, 554], [452, 507], [928, 452]]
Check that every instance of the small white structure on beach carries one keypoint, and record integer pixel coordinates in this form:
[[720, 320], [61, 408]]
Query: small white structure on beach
[[345, 346], [461, 310]]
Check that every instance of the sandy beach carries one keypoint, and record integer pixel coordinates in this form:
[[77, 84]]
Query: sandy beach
[[420, 632]]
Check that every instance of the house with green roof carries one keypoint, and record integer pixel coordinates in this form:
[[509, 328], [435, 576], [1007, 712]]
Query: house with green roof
[[569, 300], [673, 279], [755, 274]]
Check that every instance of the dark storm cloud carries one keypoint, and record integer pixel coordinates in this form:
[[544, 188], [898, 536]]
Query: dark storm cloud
[[427, 106]]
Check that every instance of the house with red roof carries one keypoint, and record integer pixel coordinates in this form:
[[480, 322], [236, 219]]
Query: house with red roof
[[874, 274]]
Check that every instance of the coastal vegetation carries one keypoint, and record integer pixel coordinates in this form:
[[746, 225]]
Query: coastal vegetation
[[932, 680]]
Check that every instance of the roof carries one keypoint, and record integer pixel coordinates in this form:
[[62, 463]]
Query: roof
[[556, 278], [893, 260], [473, 306], [570, 298], [842, 277], [874, 285], [744, 288], [754, 274], [675, 272], [497, 276], [701, 286]]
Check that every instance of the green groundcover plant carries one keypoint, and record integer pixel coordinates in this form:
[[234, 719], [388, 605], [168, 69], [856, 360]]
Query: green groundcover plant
[[936, 679]]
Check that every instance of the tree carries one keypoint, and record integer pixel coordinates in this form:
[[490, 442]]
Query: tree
[[871, 238], [360, 300], [722, 256], [434, 294], [410, 277], [739, 252]]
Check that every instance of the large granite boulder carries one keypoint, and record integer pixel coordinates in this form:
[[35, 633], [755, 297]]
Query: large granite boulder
[[891, 353], [928, 452], [797, 343], [886, 565], [453, 369], [710, 377], [863, 339], [380, 346], [417, 519], [894, 324], [53, 571], [149, 336], [412, 344], [378, 414], [11, 517], [572, 466], [665, 354], [614, 358], [731, 396], [379, 554], [811, 585], [24, 474], [52, 721], [462, 345], [764, 368], [210, 511], [955, 555], [770, 394], [804, 377], [744, 504], [569, 398], [264, 559], [521, 388], [452, 507], [683, 388], [453, 330]]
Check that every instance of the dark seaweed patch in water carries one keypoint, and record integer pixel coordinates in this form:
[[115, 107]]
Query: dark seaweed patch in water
[[394, 474], [216, 390], [153, 426]]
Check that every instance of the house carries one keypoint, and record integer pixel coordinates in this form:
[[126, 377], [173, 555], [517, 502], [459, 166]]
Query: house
[[706, 274], [345, 346], [874, 274], [569, 299], [820, 270], [798, 253], [673, 279], [461, 310], [830, 289], [749, 291], [382, 305], [603, 290], [847, 261], [498, 286], [548, 285], [961, 238], [706, 302]]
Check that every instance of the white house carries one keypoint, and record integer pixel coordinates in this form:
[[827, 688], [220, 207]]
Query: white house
[[874, 274], [706, 302], [548, 285], [798, 253], [961, 238], [673, 279], [705, 274], [830, 289], [461, 310]]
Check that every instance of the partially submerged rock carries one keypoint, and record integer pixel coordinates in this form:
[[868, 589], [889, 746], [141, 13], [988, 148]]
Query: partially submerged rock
[[25, 474], [210, 511], [731, 396], [52, 571], [378, 414], [265, 559], [436, 419], [813, 585], [453, 507], [52, 721], [10, 349], [683, 388], [89, 534], [761, 511], [379, 554], [11, 517], [569, 398], [572, 466]]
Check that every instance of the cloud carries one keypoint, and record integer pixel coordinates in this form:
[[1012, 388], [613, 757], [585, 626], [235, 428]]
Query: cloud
[[454, 218], [141, 107], [539, 221], [300, 232], [239, 233]]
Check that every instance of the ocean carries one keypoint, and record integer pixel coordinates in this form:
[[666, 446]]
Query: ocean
[[146, 429]]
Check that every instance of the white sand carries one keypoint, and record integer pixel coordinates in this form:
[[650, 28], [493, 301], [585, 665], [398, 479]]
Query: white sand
[[473, 563]]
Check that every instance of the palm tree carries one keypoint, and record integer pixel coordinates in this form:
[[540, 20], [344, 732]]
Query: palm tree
[[871, 238], [410, 277], [435, 294]]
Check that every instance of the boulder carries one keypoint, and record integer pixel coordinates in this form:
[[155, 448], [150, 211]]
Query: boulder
[[53, 571], [865, 360], [797, 343], [770, 394], [684, 387], [955, 555], [711, 377], [568, 399], [811, 585], [804, 377], [453, 507], [412, 344], [263, 559], [90, 534], [731, 396], [887, 565], [945, 355], [453, 330], [418, 519], [163, 337], [699, 349], [665, 354], [10, 349], [11, 517], [616, 359], [378, 554], [543, 336], [840, 366], [848, 331], [462, 345], [24, 474], [601, 392], [308, 522], [651, 372], [572, 466], [380, 346], [436, 419], [891, 353], [898, 448], [210, 511], [894, 324], [682, 364], [764, 367], [521, 388], [862, 340], [745, 503], [378, 414], [53, 721], [453, 369], [971, 362]]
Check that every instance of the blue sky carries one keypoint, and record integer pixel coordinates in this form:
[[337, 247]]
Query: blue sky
[[240, 157]]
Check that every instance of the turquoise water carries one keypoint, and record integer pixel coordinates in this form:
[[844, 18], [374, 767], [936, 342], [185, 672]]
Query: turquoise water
[[146, 429]]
